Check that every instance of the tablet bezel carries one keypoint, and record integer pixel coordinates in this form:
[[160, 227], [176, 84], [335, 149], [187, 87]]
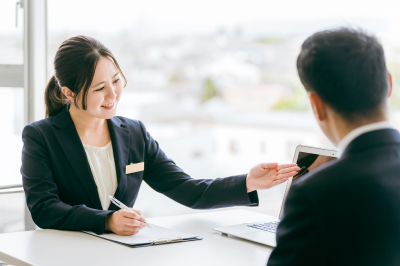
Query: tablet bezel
[[306, 149]]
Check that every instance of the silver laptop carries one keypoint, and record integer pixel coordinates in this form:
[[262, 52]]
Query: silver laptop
[[307, 158]]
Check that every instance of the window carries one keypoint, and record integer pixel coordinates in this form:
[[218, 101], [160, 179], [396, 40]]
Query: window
[[11, 116], [229, 77], [12, 95]]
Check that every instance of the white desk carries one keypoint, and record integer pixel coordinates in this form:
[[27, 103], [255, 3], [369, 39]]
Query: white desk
[[66, 248]]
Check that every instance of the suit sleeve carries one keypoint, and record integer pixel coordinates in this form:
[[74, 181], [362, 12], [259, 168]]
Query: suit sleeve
[[41, 191], [165, 177], [299, 235]]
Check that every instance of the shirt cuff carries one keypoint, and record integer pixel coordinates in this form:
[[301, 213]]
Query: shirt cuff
[[253, 197]]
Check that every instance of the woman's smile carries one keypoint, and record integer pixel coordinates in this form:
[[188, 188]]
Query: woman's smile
[[109, 106]]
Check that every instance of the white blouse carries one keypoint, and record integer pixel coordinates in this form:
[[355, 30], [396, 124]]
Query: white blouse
[[102, 164]]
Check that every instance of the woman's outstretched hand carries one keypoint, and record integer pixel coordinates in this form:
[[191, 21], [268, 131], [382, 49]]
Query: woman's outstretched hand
[[125, 223], [267, 175]]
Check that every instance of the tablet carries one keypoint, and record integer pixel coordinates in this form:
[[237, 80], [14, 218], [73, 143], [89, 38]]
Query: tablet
[[308, 158]]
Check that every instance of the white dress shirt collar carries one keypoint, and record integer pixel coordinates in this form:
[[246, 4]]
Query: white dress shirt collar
[[359, 131]]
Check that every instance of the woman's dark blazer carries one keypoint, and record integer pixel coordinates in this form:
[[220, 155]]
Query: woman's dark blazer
[[62, 194]]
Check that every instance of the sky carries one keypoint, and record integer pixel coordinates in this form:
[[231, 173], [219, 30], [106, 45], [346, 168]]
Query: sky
[[174, 17]]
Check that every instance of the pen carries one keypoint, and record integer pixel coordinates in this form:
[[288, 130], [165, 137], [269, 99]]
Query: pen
[[123, 206]]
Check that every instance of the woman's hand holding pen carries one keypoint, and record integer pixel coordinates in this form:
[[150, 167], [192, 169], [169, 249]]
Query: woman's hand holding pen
[[125, 223], [267, 175]]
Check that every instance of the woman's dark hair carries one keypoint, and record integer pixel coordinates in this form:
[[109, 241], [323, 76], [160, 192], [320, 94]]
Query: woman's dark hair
[[347, 69], [74, 67]]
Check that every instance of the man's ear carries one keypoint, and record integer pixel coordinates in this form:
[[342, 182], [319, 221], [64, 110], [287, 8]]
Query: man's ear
[[318, 106], [69, 94], [390, 84]]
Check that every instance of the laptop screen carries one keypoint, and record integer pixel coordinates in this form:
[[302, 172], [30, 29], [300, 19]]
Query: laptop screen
[[309, 161]]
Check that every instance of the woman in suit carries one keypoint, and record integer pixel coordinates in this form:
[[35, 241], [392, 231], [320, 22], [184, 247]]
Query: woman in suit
[[82, 152]]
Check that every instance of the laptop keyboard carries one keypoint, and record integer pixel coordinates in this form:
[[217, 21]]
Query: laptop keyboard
[[269, 227]]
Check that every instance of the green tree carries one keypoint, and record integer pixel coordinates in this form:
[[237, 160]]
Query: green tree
[[297, 101], [209, 90]]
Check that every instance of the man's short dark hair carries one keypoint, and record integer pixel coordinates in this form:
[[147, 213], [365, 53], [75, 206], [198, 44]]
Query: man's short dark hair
[[347, 69]]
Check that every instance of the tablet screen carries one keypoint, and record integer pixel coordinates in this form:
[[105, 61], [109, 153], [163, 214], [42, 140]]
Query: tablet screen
[[309, 161]]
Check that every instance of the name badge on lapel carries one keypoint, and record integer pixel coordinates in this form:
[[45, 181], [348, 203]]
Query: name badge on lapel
[[134, 167]]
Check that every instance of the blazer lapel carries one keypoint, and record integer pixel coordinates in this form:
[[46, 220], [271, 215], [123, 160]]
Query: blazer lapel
[[72, 146], [120, 139]]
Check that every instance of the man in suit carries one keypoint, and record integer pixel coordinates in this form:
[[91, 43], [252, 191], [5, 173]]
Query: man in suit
[[347, 212]]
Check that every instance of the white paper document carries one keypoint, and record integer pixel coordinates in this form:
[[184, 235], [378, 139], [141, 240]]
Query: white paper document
[[146, 237]]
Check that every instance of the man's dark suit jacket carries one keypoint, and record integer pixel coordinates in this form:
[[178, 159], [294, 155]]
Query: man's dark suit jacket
[[61, 192], [347, 213]]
